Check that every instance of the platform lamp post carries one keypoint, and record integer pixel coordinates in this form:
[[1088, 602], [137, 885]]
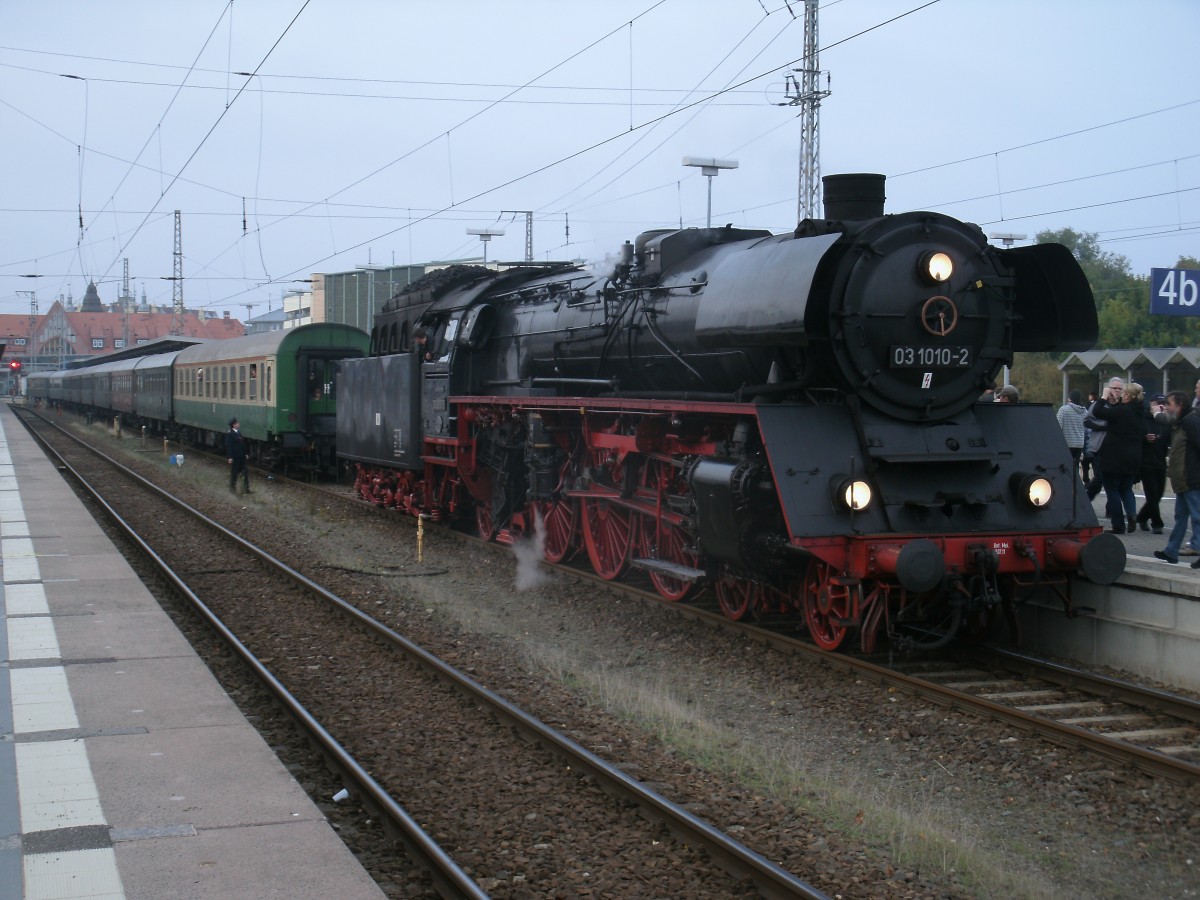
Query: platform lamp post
[[710, 168], [1007, 238], [485, 235]]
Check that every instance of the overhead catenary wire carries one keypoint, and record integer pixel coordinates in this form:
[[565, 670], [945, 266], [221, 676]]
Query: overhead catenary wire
[[333, 208], [211, 129]]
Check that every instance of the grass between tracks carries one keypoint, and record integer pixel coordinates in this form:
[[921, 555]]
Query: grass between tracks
[[902, 816]]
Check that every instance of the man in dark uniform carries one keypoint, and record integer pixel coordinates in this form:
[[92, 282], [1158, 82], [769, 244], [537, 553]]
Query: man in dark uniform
[[235, 450]]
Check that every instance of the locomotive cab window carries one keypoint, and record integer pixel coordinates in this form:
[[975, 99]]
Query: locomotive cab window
[[447, 341], [476, 326]]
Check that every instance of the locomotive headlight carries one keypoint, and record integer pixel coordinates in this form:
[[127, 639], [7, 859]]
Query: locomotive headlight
[[936, 267], [853, 493], [1032, 490], [857, 495]]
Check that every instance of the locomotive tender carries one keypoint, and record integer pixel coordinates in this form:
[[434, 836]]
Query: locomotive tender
[[790, 419]]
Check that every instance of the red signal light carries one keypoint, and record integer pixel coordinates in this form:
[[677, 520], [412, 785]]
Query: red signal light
[[15, 365]]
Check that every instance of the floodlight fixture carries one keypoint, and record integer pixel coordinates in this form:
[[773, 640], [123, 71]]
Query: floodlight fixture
[[485, 235], [710, 167], [1006, 237]]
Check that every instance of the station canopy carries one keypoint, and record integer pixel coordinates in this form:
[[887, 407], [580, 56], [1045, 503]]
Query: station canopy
[[1158, 369]]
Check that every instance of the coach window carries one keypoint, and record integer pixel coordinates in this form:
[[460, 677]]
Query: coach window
[[253, 381], [241, 382], [267, 386]]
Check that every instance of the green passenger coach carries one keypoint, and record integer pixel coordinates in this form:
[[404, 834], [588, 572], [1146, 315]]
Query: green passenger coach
[[281, 386]]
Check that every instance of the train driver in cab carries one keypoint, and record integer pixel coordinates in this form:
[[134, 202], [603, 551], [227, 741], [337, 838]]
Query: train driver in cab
[[421, 344]]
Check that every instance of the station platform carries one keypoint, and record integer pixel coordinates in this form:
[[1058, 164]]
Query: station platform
[[1147, 623], [125, 770]]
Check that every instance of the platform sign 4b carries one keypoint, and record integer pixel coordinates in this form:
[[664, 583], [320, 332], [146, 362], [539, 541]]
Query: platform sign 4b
[[1175, 292]]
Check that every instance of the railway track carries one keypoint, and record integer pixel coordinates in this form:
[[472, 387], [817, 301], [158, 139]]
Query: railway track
[[481, 776], [1150, 729], [1154, 730]]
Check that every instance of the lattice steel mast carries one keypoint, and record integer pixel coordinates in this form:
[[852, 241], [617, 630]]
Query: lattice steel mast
[[528, 214], [804, 91], [177, 278]]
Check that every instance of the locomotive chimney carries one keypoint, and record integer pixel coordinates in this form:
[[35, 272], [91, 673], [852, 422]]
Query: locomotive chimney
[[857, 196]]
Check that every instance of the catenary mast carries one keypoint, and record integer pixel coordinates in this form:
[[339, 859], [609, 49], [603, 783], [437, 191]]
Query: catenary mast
[[803, 90], [177, 278]]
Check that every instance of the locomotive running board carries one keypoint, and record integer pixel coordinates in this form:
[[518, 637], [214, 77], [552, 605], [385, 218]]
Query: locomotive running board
[[673, 570]]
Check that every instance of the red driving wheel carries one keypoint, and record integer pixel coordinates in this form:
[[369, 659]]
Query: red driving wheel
[[826, 606], [669, 545], [738, 597], [608, 535], [559, 519]]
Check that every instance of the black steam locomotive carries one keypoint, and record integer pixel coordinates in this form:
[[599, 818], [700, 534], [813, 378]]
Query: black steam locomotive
[[791, 420]]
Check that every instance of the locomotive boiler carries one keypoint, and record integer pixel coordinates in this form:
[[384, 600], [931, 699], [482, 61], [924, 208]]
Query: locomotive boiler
[[791, 421]]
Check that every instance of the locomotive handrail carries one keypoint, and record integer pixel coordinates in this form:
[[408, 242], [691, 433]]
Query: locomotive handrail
[[590, 382]]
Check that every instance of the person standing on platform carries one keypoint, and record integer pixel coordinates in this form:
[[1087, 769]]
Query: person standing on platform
[[1070, 419], [1153, 473], [1089, 453], [1097, 429], [235, 451], [1183, 468], [1120, 457]]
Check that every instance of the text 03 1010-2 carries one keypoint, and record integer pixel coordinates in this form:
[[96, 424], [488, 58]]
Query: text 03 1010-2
[[909, 356]]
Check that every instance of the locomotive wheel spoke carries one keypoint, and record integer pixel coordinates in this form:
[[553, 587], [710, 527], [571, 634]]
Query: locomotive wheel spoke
[[484, 521], [608, 535], [737, 596], [671, 547], [661, 539], [559, 519], [824, 604]]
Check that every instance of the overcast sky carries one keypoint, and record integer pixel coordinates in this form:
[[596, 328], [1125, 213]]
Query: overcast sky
[[378, 132]]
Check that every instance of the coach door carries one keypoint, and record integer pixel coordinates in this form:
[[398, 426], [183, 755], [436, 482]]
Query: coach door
[[318, 379]]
